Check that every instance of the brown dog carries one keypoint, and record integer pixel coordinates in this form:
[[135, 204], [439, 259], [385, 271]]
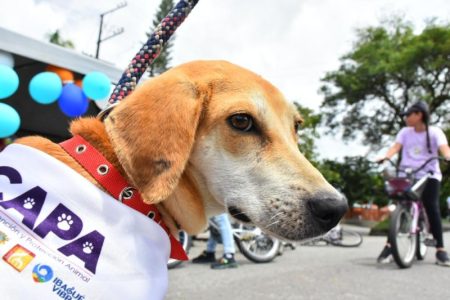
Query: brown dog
[[209, 136]]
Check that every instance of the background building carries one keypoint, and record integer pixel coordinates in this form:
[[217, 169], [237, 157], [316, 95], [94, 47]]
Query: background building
[[32, 57]]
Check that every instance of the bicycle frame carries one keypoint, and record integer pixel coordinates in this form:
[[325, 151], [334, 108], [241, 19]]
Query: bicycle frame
[[415, 216], [415, 209], [237, 229], [418, 207], [252, 242], [409, 225]]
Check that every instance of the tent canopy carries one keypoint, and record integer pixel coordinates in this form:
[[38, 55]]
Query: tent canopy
[[32, 57]]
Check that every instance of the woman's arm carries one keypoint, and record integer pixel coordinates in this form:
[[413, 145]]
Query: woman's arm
[[445, 151], [391, 152]]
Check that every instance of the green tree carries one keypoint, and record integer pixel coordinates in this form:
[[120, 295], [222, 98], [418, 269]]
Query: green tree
[[55, 38], [161, 63], [308, 132], [356, 178], [445, 187], [389, 68]]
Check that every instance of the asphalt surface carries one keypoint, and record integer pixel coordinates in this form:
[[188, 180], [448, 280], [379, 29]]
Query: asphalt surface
[[313, 272]]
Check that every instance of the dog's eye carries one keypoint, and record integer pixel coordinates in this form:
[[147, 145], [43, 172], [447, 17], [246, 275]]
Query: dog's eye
[[241, 122], [297, 125]]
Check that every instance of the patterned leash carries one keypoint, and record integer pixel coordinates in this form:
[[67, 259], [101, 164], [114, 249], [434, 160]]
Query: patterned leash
[[150, 51]]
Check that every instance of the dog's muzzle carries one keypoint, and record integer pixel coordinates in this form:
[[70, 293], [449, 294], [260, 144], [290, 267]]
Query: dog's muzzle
[[309, 218]]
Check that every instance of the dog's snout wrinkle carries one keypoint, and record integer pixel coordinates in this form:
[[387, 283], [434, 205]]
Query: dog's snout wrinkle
[[327, 211]]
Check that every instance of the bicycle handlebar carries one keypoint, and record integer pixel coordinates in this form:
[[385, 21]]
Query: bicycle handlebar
[[429, 160], [419, 168]]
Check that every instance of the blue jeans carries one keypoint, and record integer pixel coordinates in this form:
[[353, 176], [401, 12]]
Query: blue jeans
[[225, 232]]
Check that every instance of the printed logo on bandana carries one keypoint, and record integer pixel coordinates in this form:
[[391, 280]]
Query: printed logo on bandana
[[65, 291], [42, 273], [3, 238], [18, 257], [61, 221]]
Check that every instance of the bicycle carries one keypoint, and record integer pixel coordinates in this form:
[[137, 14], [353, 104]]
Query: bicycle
[[337, 237], [186, 242], [252, 242], [409, 233]]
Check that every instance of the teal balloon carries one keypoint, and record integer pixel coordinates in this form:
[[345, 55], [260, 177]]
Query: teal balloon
[[9, 120], [45, 87], [73, 102], [96, 85], [9, 81]]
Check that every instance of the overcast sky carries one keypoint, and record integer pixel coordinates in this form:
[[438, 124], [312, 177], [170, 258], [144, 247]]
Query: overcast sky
[[291, 43]]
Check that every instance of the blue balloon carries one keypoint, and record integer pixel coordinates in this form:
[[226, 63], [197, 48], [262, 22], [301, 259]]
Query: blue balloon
[[96, 85], [9, 120], [73, 102], [45, 87], [9, 81]]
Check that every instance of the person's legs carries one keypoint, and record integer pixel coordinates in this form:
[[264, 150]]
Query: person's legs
[[211, 244], [385, 256], [209, 255], [430, 199], [226, 233]]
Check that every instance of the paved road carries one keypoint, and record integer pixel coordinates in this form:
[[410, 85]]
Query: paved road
[[313, 273]]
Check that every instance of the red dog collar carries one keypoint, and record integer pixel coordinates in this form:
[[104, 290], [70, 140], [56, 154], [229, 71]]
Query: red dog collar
[[111, 180]]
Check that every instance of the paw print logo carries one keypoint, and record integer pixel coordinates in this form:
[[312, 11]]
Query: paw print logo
[[64, 222], [28, 203], [88, 247]]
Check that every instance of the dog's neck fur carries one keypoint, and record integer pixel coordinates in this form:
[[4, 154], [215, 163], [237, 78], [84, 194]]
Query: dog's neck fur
[[93, 131]]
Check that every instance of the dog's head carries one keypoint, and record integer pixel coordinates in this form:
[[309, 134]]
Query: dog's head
[[208, 135]]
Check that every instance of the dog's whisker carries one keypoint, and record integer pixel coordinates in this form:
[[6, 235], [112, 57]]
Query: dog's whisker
[[279, 214], [276, 215], [272, 224]]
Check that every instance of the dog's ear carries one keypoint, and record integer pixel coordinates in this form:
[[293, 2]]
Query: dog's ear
[[153, 131]]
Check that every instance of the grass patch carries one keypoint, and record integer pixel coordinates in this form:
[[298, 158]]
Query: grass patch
[[381, 228]]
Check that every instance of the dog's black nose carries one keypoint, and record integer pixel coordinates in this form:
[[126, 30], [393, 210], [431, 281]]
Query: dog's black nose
[[328, 211]]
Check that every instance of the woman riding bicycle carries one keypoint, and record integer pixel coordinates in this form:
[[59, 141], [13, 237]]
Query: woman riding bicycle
[[419, 142]]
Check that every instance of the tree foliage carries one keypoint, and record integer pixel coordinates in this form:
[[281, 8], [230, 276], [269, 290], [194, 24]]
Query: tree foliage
[[445, 187], [56, 38], [161, 63], [389, 68], [308, 132], [356, 178]]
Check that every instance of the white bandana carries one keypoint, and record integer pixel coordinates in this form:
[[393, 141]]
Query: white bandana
[[63, 238]]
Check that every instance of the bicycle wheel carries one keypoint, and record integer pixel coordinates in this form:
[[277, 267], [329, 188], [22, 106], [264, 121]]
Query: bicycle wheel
[[347, 238], [403, 241], [186, 242], [258, 246], [422, 236]]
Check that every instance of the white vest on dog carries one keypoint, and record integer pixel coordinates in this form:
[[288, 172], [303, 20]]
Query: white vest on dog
[[63, 238]]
